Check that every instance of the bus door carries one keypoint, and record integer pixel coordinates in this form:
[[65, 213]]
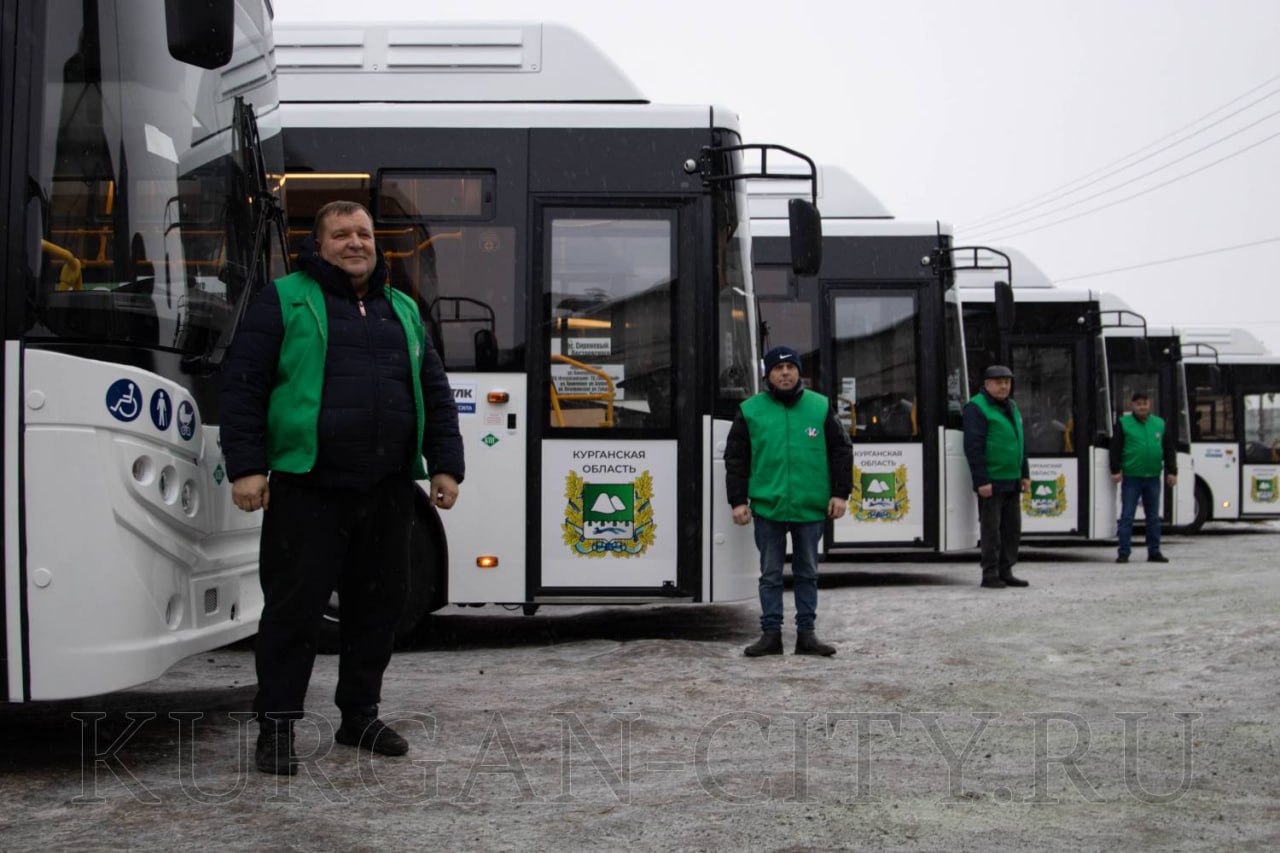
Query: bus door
[[1260, 471], [1049, 389], [615, 458], [874, 371]]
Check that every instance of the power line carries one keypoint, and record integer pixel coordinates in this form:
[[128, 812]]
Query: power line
[[1218, 251], [1132, 180], [1172, 180], [1036, 200]]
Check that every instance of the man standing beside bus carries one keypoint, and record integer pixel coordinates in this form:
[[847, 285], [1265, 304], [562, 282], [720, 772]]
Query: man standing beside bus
[[788, 465], [995, 446], [1140, 447], [331, 397]]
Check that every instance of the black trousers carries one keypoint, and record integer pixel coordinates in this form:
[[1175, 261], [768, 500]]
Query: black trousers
[[315, 541], [1000, 519]]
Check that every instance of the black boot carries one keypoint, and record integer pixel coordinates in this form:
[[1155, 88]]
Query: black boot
[[807, 643], [770, 643], [364, 730], [274, 753]]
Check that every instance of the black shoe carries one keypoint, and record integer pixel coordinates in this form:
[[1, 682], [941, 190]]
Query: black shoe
[[1123, 558], [274, 753], [996, 584], [770, 643], [807, 643], [1157, 557], [1010, 580], [366, 731]]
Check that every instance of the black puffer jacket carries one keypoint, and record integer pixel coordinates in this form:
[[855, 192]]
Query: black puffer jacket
[[367, 419]]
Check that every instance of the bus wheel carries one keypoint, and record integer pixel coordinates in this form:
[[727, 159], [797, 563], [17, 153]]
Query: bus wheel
[[1203, 501], [426, 593]]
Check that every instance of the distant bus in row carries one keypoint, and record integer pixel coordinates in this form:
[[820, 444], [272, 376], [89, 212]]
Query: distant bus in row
[[1233, 384]]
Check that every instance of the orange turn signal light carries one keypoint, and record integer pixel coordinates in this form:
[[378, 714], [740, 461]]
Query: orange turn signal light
[[487, 562], [499, 397]]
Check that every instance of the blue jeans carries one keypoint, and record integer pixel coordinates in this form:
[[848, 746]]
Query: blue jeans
[[771, 540], [1132, 488]]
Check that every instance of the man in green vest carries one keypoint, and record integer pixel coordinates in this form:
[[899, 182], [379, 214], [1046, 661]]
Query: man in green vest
[[1140, 447], [789, 467], [331, 397], [995, 446]]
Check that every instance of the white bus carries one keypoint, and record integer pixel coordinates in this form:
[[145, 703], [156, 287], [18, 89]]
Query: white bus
[[135, 222], [582, 257], [1061, 383], [1234, 386], [880, 332]]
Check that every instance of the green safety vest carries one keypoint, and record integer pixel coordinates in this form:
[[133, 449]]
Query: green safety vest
[[1143, 446], [790, 479], [293, 414], [1006, 446]]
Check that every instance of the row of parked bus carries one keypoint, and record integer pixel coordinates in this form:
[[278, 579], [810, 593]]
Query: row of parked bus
[[899, 325], [600, 274]]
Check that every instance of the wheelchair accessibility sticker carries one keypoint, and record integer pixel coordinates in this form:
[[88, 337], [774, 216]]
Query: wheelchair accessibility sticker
[[124, 400]]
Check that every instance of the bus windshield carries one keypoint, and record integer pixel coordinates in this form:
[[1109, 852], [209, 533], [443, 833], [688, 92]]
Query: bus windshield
[[142, 188]]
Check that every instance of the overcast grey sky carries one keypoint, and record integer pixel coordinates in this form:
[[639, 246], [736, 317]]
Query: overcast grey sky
[[964, 111]]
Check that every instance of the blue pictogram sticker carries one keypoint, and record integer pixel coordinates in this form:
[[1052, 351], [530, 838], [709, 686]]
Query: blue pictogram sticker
[[186, 420], [124, 400], [161, 409]]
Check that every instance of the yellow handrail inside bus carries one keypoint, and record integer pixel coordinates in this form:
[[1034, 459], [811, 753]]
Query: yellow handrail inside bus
[[1068, 445], [915, 419], [71, 276], [605, 396]]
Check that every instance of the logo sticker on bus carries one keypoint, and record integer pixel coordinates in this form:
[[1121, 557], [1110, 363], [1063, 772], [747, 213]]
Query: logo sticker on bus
[[879, 495], [124, 400], [1264, 490], [1046, 497], [464, 397], [608, 518]]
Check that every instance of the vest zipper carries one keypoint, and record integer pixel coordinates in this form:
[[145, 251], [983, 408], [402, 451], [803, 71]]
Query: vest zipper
[[376, 379]]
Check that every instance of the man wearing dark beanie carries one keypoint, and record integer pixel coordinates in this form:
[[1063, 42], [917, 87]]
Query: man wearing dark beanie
[[788, 466]]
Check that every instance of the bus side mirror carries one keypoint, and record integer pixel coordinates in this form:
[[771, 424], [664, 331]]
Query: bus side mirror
[[806, 237], [201, 32], [1004, 306]]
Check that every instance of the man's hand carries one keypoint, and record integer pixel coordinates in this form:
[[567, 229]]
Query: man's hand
[[985, 490], [444, 491], [251, 492], [836, 507], [1024, 485], [1172, 479], [1115, 478], [742, 514]]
